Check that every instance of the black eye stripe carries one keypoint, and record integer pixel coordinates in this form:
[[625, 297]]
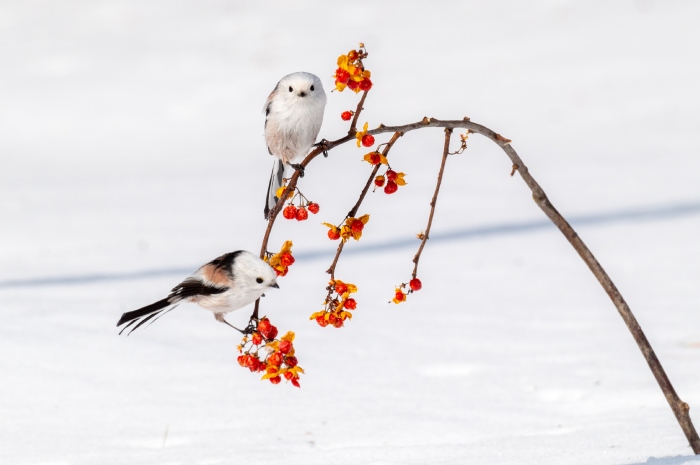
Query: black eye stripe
[[290, 89]]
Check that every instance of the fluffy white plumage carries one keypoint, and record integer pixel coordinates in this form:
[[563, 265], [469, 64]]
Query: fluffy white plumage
[[223, 285], [293, 118]]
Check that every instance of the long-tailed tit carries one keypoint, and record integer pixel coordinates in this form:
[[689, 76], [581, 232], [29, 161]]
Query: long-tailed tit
[[223, 285], [293, 117]]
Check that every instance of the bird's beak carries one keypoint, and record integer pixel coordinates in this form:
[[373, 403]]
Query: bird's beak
[[302, 94], [276, 286]]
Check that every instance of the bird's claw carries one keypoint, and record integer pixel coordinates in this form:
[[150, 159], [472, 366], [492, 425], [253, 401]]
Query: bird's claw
[[324, 145], [299, 168]]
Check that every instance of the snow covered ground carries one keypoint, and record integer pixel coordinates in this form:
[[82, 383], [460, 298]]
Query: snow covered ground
[[132, 152]]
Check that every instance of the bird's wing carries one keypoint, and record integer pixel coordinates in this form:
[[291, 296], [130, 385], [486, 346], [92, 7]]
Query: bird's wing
[[193, 287]]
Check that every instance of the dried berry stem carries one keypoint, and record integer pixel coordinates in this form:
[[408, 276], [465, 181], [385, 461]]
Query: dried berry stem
[[426, 236], [679, 408], [353, 212]]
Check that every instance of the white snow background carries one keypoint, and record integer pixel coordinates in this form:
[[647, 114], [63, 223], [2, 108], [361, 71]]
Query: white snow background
[[132, 152]]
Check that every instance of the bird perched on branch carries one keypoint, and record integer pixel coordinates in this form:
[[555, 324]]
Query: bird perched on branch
[[223, 285], [293, 117]]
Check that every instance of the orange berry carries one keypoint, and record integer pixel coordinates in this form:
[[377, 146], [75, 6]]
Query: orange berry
[[415, 284], [332, 318], [287, 259], [285, 347], [282, 273], [275, 359], [264, 325], [342, 76], [379, 181], [241, 360], [257, 338], [341, 289], [352, 55], [367, 139], [321, 320], [288, 375], [302, 214], [357, 226], [314, 208], [275, 380], [391, 187], [290, 212], [350, 304], [333, 235]]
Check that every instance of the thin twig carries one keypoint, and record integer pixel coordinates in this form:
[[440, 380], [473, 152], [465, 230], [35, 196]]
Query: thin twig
[[353, 211], [426, 236], [353, 125], [679, 408]]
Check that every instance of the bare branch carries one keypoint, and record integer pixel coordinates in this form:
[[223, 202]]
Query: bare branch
[[426, 236]]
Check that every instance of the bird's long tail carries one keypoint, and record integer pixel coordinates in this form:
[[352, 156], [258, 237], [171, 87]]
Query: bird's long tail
[[144, 314], [275, 183]]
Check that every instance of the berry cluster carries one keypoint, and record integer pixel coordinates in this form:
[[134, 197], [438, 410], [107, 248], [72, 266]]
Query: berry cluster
[[301, 212], [392, 179], [282, 260], [278, 358], [351, 72], [337, 302], [413, 285], [353, 227]]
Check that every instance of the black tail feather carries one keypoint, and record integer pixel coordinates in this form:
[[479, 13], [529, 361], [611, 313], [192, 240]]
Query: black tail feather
[[148, 309]]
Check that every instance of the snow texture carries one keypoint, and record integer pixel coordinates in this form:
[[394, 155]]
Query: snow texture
[[132, 152]]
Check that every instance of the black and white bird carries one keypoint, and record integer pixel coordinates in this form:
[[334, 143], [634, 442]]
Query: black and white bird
[[293, 118], [223, 285]]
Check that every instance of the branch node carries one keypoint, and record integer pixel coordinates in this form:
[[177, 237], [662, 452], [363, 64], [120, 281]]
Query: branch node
[[515, 168], [500, 138], [425, 120], [466, 118]]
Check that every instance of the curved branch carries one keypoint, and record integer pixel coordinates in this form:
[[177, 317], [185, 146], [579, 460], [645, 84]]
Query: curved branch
[[679, 408]]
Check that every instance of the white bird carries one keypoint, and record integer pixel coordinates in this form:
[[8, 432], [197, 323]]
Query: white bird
[[223, 285], [293, 117]]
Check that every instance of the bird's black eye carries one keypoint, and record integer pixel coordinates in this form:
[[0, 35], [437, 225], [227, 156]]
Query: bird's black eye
[[312, 88], [290, 89], [259, 280]]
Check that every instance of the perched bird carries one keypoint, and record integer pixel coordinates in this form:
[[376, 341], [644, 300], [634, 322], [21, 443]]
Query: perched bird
[[293, 117], [223, 285]]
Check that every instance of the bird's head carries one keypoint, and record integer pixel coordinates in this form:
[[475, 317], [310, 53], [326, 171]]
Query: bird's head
[[254, 274], [301, 88]]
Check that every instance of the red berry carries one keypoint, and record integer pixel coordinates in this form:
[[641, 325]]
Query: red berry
[[241, 360], [332, 318], [341, 289], [375, 158], [275, 380], [272, 333], [365, 84], [333, 235], [346, 115], [350, 304], [391, 187], [290, 212], [288, 375], [379, 181], [295, 382], [338, 323], [302, 214], [415, 284], [313, 208], [368, 140], [357, 226], [353, 84], [275, 359], [285, 347], [250, 361], [291, 361], [342, 76], [257, 338], [282, 273], [352, 55], [321, 320], [262, 366], [391, 175], [400, 296], [287, 259], [264, 325]]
